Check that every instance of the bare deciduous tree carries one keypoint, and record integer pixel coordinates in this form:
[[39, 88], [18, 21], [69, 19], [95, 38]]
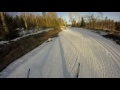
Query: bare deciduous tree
[[5, 28], [24, 19]]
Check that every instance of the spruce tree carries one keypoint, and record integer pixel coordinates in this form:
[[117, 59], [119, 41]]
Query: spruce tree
[[82, 23]]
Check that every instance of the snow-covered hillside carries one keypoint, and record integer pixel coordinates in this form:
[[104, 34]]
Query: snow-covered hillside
[[74, 51]]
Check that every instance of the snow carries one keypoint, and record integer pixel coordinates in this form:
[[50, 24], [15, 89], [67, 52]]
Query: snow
[[49, 39], [3, 42], [30, 32], [98, 58], [27, 33], [100, 32]]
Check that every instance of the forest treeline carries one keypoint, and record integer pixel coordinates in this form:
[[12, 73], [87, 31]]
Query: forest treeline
[[92, 22], [27, 20], [9, 24]]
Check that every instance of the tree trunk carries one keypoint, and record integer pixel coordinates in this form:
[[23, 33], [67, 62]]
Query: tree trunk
[[26, 27], [4, 23], [24, 19]]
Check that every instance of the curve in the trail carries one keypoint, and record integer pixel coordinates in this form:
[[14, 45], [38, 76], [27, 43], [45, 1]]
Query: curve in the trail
[[75, 53], [105, 59]]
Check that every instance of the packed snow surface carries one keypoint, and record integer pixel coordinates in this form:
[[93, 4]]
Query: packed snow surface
[[76, 52]]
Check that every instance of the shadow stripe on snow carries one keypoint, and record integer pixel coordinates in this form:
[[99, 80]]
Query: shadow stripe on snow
[[64, 66]]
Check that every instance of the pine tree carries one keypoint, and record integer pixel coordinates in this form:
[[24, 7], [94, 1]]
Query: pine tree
[[82, 23]]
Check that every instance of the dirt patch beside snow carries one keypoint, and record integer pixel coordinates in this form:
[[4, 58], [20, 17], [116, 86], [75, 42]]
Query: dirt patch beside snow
[[113, 35]]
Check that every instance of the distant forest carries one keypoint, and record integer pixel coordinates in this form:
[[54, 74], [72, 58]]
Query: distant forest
[[9, 25], [92, 22]]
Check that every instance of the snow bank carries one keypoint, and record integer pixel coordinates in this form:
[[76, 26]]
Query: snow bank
[[25, 33], [32, 32], [3, 42]]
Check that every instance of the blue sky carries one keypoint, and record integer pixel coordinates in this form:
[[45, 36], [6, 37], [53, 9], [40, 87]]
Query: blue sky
[[111, 15]]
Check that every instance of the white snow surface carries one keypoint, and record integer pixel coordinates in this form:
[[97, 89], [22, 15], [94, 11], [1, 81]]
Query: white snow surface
[[30, 32], [98, 58], [3, 42]]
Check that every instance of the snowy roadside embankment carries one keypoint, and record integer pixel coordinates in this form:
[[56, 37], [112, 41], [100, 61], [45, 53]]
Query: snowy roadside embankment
[[111, 35], [3, 42], [15, 49], [26, 33]]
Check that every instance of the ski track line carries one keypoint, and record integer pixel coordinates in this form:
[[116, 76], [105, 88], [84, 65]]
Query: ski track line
[[100, 58], [112, 68], [112, 52], [98, 62], [77, 45], [76, 56], [84, 48], [108, 46], [87, 53]]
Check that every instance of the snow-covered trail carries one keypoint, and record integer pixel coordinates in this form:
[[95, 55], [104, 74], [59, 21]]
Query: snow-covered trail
[[60, 58]]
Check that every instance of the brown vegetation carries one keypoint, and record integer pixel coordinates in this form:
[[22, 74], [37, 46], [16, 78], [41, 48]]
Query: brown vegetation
[[15, 50]]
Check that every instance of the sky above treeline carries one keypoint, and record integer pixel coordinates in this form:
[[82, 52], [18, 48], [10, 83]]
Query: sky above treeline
[[111, 15], [65, 15]]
